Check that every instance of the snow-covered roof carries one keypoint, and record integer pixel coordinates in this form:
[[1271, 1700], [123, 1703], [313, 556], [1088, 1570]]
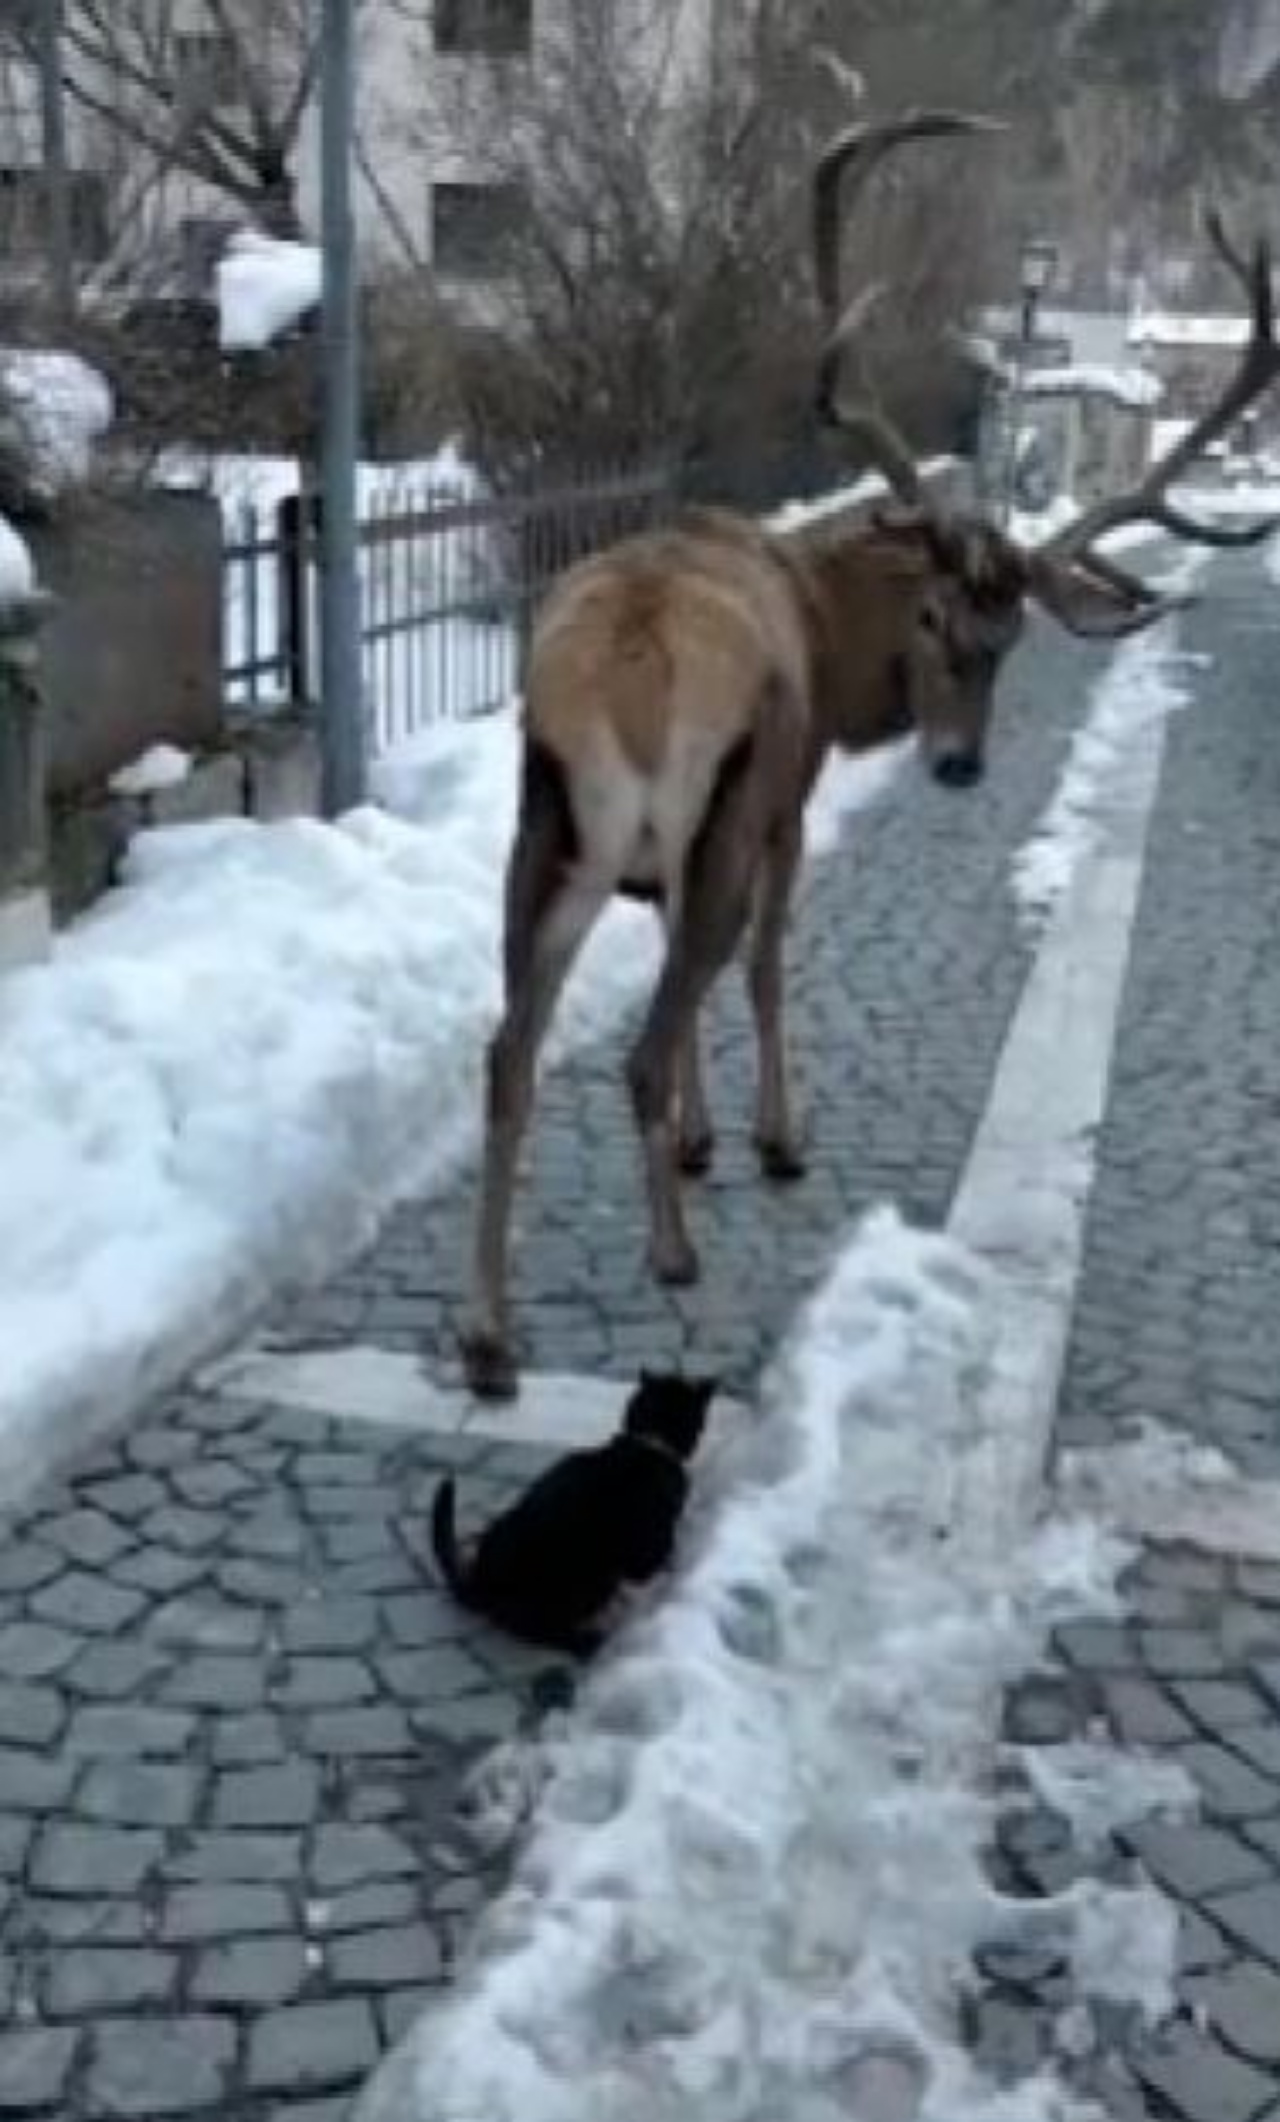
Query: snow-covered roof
[[63, 407], [266, 286], [17, 573], [1134, 387], [1093, 335], [1164, 328]]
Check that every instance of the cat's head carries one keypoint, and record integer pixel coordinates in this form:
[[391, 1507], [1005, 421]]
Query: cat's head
[[671, 1410]]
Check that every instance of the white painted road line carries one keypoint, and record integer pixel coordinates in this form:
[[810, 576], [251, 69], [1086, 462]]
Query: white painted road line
[[1023, 1199]]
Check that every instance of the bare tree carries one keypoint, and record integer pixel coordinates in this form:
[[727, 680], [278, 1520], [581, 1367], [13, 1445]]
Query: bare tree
[[221, 101], [656, 256]]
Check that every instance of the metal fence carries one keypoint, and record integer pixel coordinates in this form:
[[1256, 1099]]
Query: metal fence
[[449, 580]]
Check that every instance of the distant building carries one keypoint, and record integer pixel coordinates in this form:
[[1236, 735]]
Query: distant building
[[437, 86]]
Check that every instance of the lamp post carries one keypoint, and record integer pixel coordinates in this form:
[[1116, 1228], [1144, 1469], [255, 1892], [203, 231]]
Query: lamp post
[[341, 684], [1038, 263], [57, 182]]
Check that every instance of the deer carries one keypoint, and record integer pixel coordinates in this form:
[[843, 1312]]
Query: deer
[[683, 690]]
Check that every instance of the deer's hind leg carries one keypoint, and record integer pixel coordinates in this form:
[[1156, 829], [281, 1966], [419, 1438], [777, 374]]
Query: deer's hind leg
[[551, 905], [777, 1142], [707, 920]]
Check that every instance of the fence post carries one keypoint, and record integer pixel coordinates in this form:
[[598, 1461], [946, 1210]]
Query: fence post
[[24, 897], [292, 545]]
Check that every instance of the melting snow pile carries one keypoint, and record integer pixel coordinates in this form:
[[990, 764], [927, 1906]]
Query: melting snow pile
[[227, 1072], [754, 1881], [266, 286]]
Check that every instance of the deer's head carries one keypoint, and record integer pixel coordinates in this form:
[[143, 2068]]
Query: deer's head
[[975, 579]]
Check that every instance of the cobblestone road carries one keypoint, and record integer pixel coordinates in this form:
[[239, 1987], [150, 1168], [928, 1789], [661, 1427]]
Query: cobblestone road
[[1177, 1321], [235, 1723]]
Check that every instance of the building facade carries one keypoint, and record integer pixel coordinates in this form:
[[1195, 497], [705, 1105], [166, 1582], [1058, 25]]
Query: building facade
[[443, 86]]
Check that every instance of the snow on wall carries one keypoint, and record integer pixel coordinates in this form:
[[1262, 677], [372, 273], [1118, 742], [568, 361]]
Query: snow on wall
[[17, 571], [1135, 388], [64, 408]]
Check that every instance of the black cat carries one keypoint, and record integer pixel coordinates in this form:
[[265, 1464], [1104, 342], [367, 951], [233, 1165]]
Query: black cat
[[547, 1568]]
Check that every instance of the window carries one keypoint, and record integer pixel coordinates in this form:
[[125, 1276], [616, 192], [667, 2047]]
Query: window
[[475, 228], [23, 214], [494, 29], [206, 70]]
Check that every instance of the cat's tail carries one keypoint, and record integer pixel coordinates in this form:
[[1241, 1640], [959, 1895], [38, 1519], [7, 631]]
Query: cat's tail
[[444, 1539]]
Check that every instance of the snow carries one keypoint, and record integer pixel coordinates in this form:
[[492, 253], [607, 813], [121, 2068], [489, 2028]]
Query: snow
[[161, 766], [266, 286], [17, 570], [64, 407], [795, 515], [1255, 498], [1165, 435], [217, 1086], [1143, 682], [1159, 328], [1135, 388], [1163, 1485], [754, 1876]]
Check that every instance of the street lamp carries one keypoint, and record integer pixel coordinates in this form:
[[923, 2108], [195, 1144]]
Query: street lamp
[[341, 691], [1039, 263], [1037, 266]]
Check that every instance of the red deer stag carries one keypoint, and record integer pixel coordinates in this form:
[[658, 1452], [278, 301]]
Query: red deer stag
[[685, 687]]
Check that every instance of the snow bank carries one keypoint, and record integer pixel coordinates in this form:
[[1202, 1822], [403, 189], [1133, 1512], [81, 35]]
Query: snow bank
[[754, 1879], [64, 408], [229, 1071], [265, 288], [1135, 388], [1144, 682], [17, 569]]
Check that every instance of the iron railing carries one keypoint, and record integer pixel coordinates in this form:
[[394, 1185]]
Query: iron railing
[[449, 583]]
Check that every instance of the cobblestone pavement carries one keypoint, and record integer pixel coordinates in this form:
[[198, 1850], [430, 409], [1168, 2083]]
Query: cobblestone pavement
[[1177, 1321], [234, 1729], [235, 1723]]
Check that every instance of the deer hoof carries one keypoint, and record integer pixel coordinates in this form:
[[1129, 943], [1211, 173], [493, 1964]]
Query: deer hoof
[[676, 1266], [782, 1162], [697, 1155], [489, 1366]]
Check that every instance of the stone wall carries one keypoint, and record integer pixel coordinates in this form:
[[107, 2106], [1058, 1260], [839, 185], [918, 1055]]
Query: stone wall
[[133, 651]]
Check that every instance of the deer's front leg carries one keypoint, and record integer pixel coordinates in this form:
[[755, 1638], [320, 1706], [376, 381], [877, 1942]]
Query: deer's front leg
[[777, 1142]]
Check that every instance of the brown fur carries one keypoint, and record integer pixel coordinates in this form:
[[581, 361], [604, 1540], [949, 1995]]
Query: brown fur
[[684, 688]]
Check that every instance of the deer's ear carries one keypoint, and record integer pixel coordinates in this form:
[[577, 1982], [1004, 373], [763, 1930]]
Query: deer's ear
[[1098, 610]]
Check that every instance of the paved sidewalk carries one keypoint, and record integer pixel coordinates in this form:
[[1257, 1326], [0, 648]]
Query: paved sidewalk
[[234, 1722]]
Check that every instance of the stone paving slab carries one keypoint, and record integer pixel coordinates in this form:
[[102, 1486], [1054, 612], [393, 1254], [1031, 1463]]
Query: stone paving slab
[[232, 1862]]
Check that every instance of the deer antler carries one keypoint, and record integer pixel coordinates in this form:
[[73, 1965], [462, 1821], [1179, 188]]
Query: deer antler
[[847, 161], [1258, 367]]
